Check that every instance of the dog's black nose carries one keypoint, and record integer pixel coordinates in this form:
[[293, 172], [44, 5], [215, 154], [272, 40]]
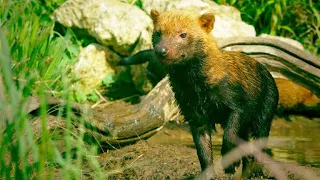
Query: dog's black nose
[[162, 52]]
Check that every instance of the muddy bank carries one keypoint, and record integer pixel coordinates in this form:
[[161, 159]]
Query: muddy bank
[[170, 154], [155, 161]]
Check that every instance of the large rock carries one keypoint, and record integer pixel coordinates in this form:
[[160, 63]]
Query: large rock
[[94, 64], [228, 21], [122, 26]]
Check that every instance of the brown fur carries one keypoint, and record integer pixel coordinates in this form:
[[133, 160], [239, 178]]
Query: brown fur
[[292, 95], [227, 67]]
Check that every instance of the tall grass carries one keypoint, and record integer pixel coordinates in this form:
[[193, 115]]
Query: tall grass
[[35, 60], [299, 20]]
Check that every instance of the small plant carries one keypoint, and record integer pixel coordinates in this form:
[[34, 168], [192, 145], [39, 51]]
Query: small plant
[[136, 2]]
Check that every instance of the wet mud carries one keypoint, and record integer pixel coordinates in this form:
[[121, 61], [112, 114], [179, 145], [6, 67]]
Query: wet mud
[[170, 154]]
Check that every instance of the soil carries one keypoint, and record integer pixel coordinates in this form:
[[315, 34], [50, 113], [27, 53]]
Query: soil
[[170, 154], [146, 161]]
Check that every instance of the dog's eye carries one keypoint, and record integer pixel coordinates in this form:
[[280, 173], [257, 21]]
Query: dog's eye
[[183, 35]]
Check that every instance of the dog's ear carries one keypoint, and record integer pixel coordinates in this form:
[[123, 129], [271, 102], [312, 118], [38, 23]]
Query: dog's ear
[[207, 21], [154, 15]]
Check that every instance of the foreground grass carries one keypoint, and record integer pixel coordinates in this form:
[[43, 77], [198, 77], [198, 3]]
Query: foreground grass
[[299, 20], [35, 60]]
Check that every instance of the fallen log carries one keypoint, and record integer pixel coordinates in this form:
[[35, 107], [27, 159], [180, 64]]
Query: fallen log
[[282, 59], [130, 123], [115, 122]]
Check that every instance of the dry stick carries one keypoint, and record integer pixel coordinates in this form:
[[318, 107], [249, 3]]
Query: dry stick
[[262, 157], [275, 166], [254, 148], [247, 148], [101, 99]]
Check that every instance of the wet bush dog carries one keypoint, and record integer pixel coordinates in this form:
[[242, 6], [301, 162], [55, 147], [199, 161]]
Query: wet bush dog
[[211, 85]]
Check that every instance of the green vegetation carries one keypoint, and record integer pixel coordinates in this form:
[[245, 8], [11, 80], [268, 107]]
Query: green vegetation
[[35, 60], [299, 20]]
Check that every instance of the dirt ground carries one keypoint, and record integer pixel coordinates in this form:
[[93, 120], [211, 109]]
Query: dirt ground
[[156, 158]]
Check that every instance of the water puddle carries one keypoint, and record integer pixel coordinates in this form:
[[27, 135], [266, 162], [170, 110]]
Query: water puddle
[[297, 141]]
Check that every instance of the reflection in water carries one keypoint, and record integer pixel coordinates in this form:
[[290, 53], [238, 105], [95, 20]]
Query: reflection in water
[[296, 141], [300, 141]]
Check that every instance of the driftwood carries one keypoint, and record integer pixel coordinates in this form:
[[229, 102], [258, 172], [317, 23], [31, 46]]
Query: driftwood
[[130, 123], [115, 122], [281, 59]]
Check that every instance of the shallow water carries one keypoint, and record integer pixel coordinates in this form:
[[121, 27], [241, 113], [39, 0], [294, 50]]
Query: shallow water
[[297, 141], [300, 141]]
